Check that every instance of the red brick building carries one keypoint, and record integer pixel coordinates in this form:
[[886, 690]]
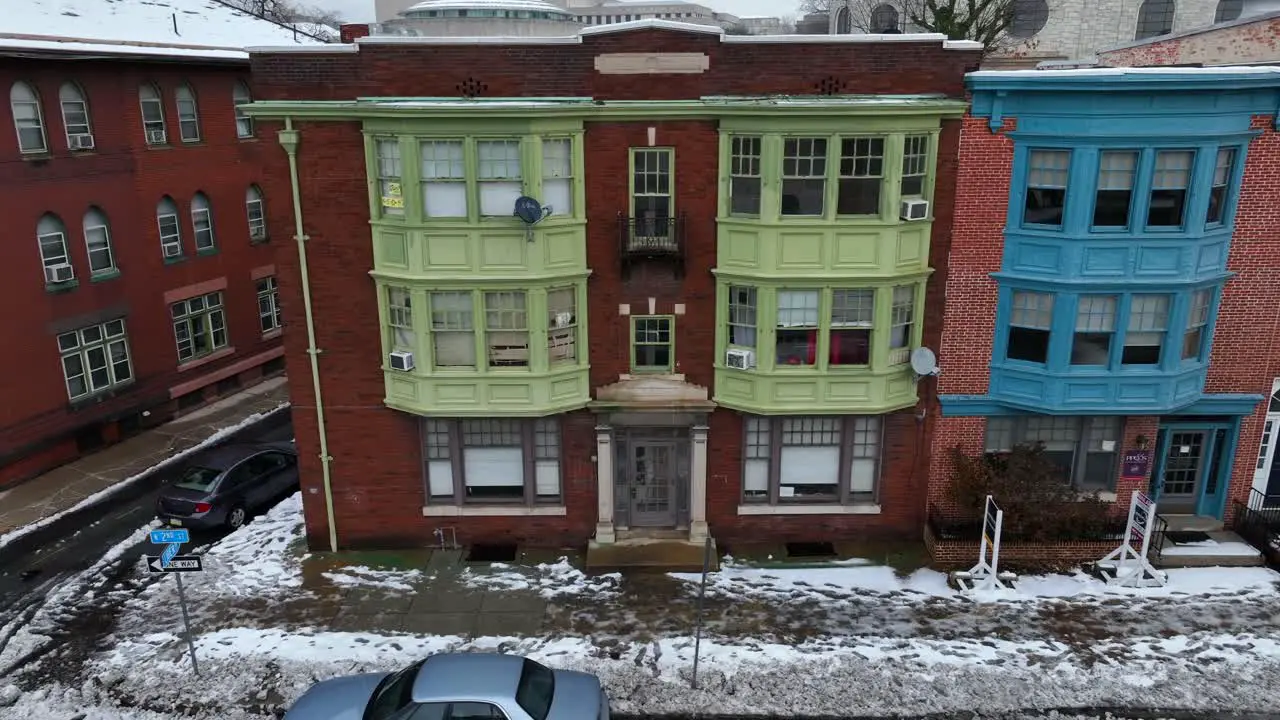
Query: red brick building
[[741, 235], [137, 266]]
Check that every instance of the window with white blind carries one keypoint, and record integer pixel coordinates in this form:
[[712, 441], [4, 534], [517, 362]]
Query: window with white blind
[[492, 461], [1085, 449], [821, 459], [797, 327], [1047, 174], [499, 176], [1169, 184], [902, 324], [1223, 168], [506, 329], [562, 325], [390, 186], [742, 316], [1113, 199], [453, 339], [1095, 328], [1193, 340], [95, 359], [557, 175], [1030, 325], [444, 178]]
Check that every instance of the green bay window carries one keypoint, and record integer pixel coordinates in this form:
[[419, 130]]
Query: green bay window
[[742, 316], [861, 176], [444, 178], [506, 329], [744, 175], [400, 320], [500, 177], [852, 319], [797, 327], [452, 330], [804, 176], [915, 165]]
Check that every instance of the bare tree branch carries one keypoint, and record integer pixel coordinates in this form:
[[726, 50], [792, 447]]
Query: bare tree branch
[[985, 21]]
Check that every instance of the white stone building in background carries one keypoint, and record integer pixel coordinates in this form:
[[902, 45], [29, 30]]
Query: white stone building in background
[[526, 18], [1059, 30]]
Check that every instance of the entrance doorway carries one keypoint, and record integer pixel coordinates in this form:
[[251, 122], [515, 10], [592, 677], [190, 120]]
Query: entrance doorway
[[651, 470], [1193, 469]]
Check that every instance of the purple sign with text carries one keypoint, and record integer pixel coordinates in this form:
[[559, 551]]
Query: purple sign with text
[[1137, 463]]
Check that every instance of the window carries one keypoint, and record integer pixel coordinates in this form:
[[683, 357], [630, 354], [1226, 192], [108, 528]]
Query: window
[[1085, 448], [256, 213], [562, 325], [268, 304], [1197, 325], [804, 176], [394, 694], [742, 316], [1029, 18], [95, 358], [97, 240], [202, 221], [1095, 325], [852, 318], [27, 118], [903, 323], [1029, 325], [652, 344], [651, 197], [744, 175], [1047, 186], [389, 171], [797, 328], [492, 460], [506, 329], [557, 175], [240, 96], [915, 164], [1169, 187], [1114, 197], [500, 176], [844, 21], [861, 175], [811, 459], [1222, 169], [75, 115], [170, 231], [452, 331], [1228, 10], [884, 19], [188, 118], [535, 690], [199, 326], [52, 237], [1155, 17], [400, 320], [1148, 322], [152, 114]]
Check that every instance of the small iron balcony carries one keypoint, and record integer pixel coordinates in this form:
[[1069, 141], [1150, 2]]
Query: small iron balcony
[[651, 238]]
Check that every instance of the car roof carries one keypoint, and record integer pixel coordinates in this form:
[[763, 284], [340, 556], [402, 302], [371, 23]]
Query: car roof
[[223, 457], [448, 677]]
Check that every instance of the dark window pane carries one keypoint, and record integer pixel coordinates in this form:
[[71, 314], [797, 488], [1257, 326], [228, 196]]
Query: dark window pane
[[1217, 204], [1099, 471], [850, 347], [1090, 348], [535, 689], [744, 195], [1044, 205], [1166, 208], [803, 197], [1062, 459], [913, 185], [1111, 208], [797, 347], [1141, 355], [1191, 342], [859, 196], [653, 356], [1028, 344]]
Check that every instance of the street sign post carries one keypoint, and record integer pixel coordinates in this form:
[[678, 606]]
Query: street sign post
[[1129, 567], [170, 561]]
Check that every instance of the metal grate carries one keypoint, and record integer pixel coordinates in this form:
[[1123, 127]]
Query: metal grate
[[472, 87], [829, 85]]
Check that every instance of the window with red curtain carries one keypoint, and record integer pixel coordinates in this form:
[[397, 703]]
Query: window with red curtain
[[797, 328]]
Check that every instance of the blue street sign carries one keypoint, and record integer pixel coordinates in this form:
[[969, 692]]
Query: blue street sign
[[169, 552], [165, 537]]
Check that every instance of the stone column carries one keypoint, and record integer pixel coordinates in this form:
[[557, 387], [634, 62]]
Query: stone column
[[698, 530], [604, 484]]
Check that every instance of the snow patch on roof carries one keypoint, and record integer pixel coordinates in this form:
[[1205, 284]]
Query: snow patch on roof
[[1257, 70]]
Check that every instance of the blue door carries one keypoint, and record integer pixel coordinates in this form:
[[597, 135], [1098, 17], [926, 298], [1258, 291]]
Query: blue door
[[1193, 470]]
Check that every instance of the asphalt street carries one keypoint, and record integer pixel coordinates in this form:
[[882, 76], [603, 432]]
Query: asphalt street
[[32, 564]]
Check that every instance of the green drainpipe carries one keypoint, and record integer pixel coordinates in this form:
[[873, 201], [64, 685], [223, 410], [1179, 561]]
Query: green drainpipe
[[289, 139]]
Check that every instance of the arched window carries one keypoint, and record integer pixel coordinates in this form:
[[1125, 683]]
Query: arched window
[[52, 236], [1228, 10], [1155, 17], [27, 118], [256, 212], [884, 19], [75, 117], [202, 221], [152, 114], [1029, 18], [244, 124], [844, 24], [170, 230], [188, 116], [97, 240]]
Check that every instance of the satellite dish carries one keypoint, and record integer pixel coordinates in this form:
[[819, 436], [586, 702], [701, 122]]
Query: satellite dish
[[529, 210], [924, 363]]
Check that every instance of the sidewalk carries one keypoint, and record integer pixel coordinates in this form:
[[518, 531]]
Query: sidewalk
[[63, 488]]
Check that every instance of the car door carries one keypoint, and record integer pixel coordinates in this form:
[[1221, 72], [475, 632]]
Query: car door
[[262, 468], [233, 488]]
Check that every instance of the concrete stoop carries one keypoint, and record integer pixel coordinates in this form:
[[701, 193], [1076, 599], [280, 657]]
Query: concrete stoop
[[1223, 549], [658, 554]]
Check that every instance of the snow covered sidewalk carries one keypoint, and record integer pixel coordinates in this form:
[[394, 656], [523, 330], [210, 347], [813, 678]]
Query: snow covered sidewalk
[[845, 640]]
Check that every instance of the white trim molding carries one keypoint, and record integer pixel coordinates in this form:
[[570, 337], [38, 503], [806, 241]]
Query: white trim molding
[[494, 511], [785, 509]]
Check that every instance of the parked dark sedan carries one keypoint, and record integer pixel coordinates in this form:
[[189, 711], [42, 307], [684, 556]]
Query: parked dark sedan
[[223, 486]]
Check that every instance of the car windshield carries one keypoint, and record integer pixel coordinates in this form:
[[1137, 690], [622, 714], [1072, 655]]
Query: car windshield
[[393, 694], [198, 478], [537, 685]]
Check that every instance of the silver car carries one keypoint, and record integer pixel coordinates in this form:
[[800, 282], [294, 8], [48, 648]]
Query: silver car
[[458, 686]]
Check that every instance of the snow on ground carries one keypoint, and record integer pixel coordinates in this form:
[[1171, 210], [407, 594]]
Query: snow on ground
[[549, 580], [255, 559], [213, 439], [360, 576]]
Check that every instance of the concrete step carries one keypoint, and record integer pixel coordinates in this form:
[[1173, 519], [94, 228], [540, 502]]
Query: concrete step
[[1222, 549], [649, 554]]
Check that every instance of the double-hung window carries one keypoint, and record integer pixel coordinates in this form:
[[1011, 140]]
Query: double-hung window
[[1095, 327], [500, 176], [152, 114], [188, 115], [742, 316], [453, 339], [28, 120], [1193, 340], [97, 240], [492, 461], [1084, 449], [915, 165], [652, 198], [1222, 171], [199, 326], [255, 213], [75, 117], [1113, 199], [444, 178], [95, 359], [557, 175], [852, 320], [861, 176], [1030, 323], [744, 175], [1148, 325], [797, 327], [240, 97], [902, 324], [390, 188], [1047, 172], [652, 343], [51, 235], [170, 230], [804, 176], [506, 328], [268, 304], [562, 325], [202, 221], [1169, 183], [400, 320], [823, 459]]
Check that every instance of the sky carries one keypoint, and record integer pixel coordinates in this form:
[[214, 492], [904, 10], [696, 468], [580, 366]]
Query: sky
[[362, 10]]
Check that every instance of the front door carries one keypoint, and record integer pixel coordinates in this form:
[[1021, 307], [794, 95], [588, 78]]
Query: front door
[[1185, 457], [652, 478]]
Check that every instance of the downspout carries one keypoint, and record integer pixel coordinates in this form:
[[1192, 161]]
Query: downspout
[[289, 139]]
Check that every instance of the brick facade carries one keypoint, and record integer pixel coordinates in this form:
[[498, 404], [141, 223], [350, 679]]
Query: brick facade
[[1254, 40], [376, 468], [124, 179]]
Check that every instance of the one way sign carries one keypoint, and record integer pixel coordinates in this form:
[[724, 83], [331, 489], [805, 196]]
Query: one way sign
[[179, 563]]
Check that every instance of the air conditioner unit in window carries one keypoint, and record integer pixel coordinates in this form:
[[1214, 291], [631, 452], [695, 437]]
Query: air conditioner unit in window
[[740, 359], [155, 137], [172, 250], [401, 360], [61, 272], [80, 141], [915, 209]]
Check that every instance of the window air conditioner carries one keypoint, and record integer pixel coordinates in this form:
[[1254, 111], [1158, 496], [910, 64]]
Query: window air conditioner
[[740, 359], [155, 137], [80, 141], [172, 250], [915, 209], [401, 360], [62, 272]]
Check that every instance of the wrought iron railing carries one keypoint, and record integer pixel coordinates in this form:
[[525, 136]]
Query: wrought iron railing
[[1257, 521], [1159, 535], [660, 237], [951, 527]]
